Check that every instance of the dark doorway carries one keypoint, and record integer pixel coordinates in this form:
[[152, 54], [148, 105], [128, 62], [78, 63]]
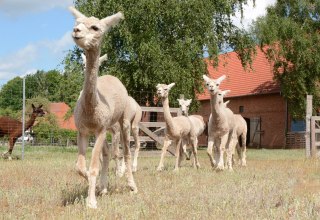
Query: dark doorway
[[248, 131]]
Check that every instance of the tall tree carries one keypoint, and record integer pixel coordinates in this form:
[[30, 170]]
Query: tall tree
[[163, 41], [290, 37]]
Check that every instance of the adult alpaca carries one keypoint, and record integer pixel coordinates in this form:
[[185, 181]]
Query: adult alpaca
[[221, 126], [100, 105], [178, 129], [13, 128], [134, 112]]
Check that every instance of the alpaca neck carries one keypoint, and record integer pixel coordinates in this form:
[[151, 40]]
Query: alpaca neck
[[89, 93], [30, 122], [215, 106], [167, 114]]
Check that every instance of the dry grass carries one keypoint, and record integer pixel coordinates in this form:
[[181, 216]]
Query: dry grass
[[277, 184]]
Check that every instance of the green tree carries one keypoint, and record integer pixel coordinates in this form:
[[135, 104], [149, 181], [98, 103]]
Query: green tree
[[289, 36], [164, 41], [11, 94]]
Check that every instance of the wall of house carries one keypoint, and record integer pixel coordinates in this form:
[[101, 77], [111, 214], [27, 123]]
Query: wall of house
[[270, 108]]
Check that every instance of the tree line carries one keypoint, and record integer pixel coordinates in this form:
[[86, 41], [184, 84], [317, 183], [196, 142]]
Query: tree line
[[164, 41]]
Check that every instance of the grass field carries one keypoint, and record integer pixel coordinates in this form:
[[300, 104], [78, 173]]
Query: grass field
[[276, 184]]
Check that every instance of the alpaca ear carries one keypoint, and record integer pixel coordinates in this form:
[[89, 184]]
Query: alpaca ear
[[189, 100], [226, 103], [112, 20], [221, 78], [77, 14], [171, 85], [158, 86], [40, 106], [206, 78], [225, 92], [33, 106], [103, 58]]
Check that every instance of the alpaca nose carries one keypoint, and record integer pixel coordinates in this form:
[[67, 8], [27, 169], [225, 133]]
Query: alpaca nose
[[76, 29]]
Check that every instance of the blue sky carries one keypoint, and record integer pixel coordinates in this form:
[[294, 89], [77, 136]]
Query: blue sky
[[36, 34]]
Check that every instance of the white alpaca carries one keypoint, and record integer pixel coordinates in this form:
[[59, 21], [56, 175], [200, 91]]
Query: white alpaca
[[178, 129], [134, 111], [221, 126], [241, 130], [100, 105], [197, 122]]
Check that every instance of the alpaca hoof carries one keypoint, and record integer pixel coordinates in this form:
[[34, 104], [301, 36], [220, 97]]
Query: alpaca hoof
[[198, 166], [219, 167], [134, 169], [103, 192], [133, 190], [160, 168], [176, 170], [119, 174], [91, 204]]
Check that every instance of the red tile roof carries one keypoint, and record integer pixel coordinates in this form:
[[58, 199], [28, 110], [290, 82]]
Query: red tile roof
[[242, 82], [60, 109]]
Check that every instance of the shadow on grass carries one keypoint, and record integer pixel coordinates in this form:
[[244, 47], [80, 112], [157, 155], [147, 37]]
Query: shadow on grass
[[74, 194]]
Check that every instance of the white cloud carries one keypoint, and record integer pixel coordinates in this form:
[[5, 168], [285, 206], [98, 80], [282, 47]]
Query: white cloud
[[16, 8], [250, 13], [26, 60]]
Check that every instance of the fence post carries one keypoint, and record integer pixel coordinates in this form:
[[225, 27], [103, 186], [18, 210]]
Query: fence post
[[308, 118]]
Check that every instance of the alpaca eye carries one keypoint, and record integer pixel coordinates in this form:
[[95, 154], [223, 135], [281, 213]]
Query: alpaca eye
[[217, 84], [95, 28], [165, 89], [207, 84], [219, 94]]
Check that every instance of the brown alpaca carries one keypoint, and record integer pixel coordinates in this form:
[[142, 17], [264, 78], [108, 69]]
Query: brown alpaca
[[13, 128]]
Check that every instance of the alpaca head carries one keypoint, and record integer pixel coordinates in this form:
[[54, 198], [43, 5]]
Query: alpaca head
[[163, 90], [88, 32], [220, 96], [184, 105], [37, 111], [213, 84]]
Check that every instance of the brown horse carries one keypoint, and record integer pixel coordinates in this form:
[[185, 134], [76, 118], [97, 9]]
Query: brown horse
[[13, 128]]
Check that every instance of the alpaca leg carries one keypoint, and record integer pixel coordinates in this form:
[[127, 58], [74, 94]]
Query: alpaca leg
[[81, 162], [243, 150], [135, 133], [166, 144], [184, 147], [127, 155], [221, 143], [116, 153], [230, 150], [94, 169], [209, 151], [105, 167], [178, 149], [195, 151]]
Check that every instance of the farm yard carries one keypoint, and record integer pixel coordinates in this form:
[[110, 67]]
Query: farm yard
[[276, 184]]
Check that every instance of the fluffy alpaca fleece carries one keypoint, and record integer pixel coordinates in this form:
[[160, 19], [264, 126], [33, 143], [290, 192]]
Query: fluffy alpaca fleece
[[134, 113], [178, 129], [197, 122], [100, 105], [221, 126]]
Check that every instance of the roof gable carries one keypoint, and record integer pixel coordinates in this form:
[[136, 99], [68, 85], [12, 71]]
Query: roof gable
[[241, 82]]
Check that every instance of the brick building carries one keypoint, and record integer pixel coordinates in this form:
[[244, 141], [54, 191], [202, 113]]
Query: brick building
[[59, 109], [255, 95]]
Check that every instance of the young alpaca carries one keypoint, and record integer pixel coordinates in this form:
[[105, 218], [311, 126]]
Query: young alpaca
[[100, 105], [241, 131], [177, 129], [198, 124], [13, 128], [134, 112], [221, 126]]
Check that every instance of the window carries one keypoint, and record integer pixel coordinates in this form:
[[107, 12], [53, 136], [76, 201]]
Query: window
[[241, 109]]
